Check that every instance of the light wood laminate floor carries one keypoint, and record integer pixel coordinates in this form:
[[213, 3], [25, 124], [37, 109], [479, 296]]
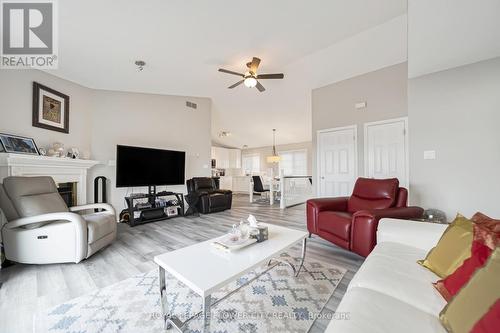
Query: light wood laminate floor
[[28, 288]]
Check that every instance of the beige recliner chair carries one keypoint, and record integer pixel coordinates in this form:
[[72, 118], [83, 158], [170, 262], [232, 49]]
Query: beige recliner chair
[[41, 229]]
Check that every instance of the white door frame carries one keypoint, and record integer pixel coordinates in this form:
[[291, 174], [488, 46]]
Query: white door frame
[[318, 144], [407, 152]]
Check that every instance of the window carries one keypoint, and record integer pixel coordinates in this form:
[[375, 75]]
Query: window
[[251, 163], [294, 162]]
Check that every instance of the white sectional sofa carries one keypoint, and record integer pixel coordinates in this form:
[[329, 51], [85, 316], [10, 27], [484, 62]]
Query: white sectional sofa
[[391, 292]]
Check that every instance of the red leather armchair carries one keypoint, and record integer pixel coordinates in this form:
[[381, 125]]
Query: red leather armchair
[[351, 222]]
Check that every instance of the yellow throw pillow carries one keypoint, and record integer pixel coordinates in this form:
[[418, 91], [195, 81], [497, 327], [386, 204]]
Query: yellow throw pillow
[[453, 248], [474, 299]]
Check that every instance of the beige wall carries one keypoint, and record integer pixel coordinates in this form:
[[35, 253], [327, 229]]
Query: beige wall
[[267, 151], [99, 120], [16, 90], [385, 92], [149, 121], [456, 113]]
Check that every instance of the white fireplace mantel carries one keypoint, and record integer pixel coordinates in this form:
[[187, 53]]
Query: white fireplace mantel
[[63, 170]]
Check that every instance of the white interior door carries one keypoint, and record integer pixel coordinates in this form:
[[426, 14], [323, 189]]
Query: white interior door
[[337, 161], [386, 150]]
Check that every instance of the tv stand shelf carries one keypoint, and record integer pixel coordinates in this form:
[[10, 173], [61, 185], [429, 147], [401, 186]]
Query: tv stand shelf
[[153, 209]]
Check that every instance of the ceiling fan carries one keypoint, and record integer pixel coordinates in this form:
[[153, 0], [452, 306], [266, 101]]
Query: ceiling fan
[[250, 78]]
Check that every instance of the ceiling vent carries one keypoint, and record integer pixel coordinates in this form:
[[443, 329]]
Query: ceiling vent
[[191, 105]]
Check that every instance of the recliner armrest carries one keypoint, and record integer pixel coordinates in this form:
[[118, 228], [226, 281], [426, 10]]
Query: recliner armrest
[[399, 212], [106, 207], [315, 206], [365, 223], [50, 217]]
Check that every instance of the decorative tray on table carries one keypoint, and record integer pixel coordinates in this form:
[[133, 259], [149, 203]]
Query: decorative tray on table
[[230, 242]]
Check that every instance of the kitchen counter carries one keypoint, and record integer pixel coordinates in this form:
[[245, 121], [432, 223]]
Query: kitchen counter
[[237, 184]]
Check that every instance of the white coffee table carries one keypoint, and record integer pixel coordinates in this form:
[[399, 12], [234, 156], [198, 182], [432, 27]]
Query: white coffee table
[[205, 269]]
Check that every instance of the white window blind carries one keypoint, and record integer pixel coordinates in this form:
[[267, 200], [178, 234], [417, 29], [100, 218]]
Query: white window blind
[[294, 162], [251, 163]]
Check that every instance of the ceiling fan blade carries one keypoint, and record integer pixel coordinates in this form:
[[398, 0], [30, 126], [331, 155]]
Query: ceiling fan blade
[[230, 72], [254, 65], [270, 76], [236, 84], [260, 87]]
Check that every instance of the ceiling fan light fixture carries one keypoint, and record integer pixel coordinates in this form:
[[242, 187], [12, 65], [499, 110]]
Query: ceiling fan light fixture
[[250, 78], [250, 82]]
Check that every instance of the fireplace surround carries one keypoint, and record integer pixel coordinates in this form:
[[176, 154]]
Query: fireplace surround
[[62, 170]]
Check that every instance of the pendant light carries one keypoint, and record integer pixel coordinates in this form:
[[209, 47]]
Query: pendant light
[[275, 158]]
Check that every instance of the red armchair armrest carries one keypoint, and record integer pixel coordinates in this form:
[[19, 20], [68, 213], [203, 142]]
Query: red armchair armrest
[[315, 206], [365, 223]]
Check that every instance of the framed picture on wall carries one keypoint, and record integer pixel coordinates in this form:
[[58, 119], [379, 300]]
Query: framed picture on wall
[[50, 109], [18, 144]]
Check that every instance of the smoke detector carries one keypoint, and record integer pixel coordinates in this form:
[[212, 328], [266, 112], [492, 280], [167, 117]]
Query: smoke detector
[[140, 65]]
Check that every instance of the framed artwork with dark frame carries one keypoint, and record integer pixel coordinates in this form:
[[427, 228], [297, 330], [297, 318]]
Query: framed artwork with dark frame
[[50, 109], [18, 144]]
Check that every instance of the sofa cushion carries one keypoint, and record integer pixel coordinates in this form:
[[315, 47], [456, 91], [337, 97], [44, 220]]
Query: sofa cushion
[[364, 310], [391, 269], [474, 300], [486, 240], [99, 225], [371, 194], [337, 223], [490, 322], [453, 248], [451, 285]]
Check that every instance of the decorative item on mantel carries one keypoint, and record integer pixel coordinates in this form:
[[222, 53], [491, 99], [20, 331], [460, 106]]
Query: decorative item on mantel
[[17, 144], [57, 150], [73, 153], [275, 158]]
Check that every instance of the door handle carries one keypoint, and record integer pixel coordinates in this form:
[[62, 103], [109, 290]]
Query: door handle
[[322, 177]]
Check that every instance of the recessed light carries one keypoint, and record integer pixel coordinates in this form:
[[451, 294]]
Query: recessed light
[[223, 134]]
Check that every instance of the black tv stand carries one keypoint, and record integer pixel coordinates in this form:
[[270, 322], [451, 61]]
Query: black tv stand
[[144, 211], [152, 193]]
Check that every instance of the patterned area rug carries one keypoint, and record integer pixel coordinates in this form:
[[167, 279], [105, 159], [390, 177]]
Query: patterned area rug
[[275, 301]]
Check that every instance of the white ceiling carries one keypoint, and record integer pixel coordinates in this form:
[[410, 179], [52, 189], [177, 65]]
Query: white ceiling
[[450, 33], [185, 42]]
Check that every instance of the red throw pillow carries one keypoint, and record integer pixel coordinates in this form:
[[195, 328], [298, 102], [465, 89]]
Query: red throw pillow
[[486, 238], [451, 285], [490, 322]]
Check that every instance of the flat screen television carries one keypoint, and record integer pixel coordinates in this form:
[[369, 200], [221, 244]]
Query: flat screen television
[[137, 166]]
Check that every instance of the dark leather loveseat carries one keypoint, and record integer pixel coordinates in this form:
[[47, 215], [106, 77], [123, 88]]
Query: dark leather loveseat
[[204, 194], [351, 222]]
